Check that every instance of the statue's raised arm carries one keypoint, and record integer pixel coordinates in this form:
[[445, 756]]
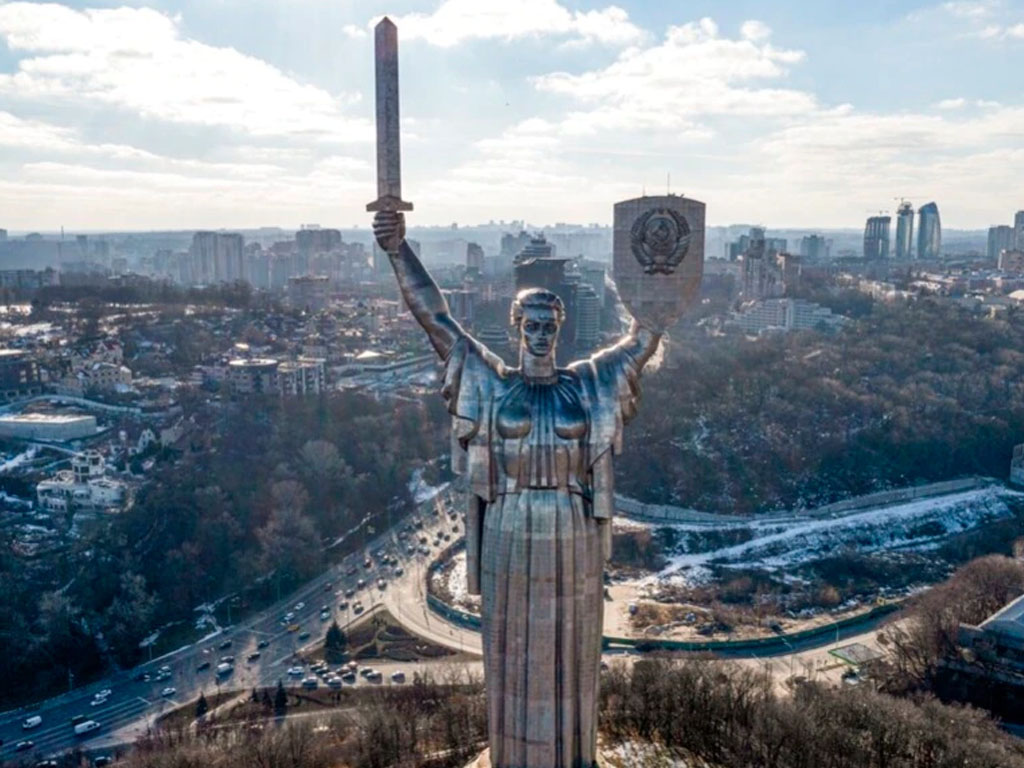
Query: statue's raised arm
[[419, 290]]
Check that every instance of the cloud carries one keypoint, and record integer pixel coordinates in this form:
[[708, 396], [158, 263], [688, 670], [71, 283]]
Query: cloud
[[351, 30], [957, 103], [969, 10], [693, 72], [136, 59], [455, 21]]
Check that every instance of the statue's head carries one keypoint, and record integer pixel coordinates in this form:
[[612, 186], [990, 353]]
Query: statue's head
[[538, 314]]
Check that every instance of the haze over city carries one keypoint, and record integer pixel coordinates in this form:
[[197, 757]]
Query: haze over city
[[183, 115]]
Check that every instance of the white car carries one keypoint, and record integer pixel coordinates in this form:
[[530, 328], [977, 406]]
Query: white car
[[106, 691], [98, 701], [325, 615], [299, 606], [296, 671], [169, 691], [381, 583]]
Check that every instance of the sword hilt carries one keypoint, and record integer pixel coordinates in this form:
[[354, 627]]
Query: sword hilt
[[388, 203]]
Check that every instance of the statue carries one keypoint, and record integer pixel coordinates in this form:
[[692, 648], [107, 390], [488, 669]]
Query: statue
[[535, 444]]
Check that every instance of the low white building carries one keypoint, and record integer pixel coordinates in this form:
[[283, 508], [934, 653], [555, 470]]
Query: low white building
[[785, 315], [85, 487], [55, 427]]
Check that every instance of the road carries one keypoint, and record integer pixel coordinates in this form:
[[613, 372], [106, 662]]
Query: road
[[134, 705]]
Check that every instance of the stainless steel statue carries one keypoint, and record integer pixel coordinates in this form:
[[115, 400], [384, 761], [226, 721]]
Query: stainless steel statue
[[536, 445]]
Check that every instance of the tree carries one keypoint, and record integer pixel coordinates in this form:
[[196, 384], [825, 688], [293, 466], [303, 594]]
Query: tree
[[280, 700], [334, 643], [202, 707]]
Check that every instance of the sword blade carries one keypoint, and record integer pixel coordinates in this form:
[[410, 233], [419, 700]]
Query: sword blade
[[389, 154]]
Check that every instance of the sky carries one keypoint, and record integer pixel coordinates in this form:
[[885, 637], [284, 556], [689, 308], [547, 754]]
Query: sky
[[242, 113]]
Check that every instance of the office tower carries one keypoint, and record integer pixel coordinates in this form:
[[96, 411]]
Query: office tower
[[3, 235], [1018, 231], [876, 237], [1000, 238], [929, 232], [905, 231]]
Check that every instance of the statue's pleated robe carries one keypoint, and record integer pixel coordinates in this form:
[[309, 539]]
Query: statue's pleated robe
[[538, 459]]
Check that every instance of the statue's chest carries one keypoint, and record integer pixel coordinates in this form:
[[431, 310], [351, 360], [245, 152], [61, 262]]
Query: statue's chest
[[542, 413]]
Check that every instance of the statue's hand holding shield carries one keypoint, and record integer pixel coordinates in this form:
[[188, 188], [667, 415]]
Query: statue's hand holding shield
[[658, 257]]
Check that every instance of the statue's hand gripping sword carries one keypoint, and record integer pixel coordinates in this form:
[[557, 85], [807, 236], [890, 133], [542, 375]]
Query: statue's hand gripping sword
[[389, 154]]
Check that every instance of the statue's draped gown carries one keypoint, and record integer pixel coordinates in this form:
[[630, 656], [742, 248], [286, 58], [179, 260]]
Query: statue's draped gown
[[537, 456]]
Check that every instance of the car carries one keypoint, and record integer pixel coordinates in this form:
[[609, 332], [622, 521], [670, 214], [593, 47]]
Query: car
[[227, 659], [202, 667], [374, 676], [424, 539], [357, 608], [87, 727], [311, 683], [398, 677], [304, 636], [334, 681], [106, 691], [295, 671], [447, 537], [31, 722], [352, 666], [343, 605], [288, 616], [170, 690], [325, 615], [399, 570], [98, 701], [225, 645], [24, 746], [325, 607], [293, 627], [253, 656], [349, 592], [327, 587], [47, 764], [381, 583], [224, 669], [349, 677], [361, 583], [364, 671], [102, 760], [299, 606], [352, 571], [424, 550], [367, 563], [141, 677], [262, 643]]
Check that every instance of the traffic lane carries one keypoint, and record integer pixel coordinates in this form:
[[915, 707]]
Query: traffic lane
[[183, 662]]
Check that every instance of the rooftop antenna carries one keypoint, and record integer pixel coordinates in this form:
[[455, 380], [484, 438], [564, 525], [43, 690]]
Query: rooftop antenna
[[668, 182]]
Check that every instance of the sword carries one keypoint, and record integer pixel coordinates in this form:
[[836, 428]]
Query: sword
[[389, 154]]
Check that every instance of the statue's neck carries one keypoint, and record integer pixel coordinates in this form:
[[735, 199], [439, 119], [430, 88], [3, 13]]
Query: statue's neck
[[534, 367]]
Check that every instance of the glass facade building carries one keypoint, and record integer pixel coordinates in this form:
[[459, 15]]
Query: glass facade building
[[929, 232], [876, 238], [905, 231]]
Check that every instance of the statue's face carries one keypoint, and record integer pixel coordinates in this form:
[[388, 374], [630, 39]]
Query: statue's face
[[539, 330]]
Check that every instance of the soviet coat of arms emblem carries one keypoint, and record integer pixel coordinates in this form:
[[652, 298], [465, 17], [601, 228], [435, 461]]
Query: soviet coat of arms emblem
[[659, 239]]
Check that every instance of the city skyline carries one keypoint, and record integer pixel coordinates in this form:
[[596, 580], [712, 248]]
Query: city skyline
[[188, 115]]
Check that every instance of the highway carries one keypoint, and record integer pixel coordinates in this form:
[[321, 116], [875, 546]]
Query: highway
[[134, 705]]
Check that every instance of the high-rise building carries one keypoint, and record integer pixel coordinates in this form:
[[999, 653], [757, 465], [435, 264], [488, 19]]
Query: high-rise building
[[1011, 261], [588, 318], [474, 259], [1000, 238], [814, 248], [3, 235], [905, 231], [929, 232], [1018, 231], [876, 237], [772, 245], [216, 257]]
